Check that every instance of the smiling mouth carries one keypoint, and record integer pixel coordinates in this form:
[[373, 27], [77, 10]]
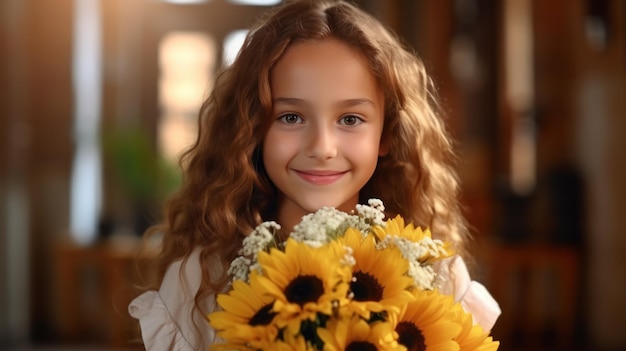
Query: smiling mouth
[[320, 177]]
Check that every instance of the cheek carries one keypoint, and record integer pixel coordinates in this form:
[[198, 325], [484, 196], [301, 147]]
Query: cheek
[[364, 150], [276, 152], [372, 141]]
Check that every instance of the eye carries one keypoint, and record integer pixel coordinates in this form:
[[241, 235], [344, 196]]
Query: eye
[[350, 120], [290, 118]]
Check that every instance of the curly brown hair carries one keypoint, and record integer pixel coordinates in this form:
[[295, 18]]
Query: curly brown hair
[[226, 191]]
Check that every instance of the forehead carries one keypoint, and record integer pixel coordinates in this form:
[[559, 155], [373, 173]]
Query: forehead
[[328, 65]]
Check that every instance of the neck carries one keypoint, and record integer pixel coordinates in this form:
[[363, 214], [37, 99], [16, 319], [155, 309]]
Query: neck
[[289, 217]]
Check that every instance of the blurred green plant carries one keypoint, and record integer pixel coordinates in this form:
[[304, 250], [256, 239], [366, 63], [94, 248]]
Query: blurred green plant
[[137, 166]]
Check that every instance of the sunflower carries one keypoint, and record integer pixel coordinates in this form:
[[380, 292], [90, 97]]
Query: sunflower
[[292, 343], [231, 347], [428, 323], [472, 336], [355, 334], [380, 282], [417, 247], [246, 317], [304, 281], [296, 343], [397, 227]]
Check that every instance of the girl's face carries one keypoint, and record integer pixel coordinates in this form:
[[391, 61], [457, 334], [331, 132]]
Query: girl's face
[[324, 141]]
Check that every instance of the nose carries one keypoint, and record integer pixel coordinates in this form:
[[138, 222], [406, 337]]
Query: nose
[[321, 143]]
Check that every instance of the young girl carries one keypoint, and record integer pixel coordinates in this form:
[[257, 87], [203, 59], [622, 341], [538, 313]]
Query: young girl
[[322, 107]]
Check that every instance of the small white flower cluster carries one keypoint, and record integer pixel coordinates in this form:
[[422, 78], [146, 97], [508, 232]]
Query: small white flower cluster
[[348, 259], [239, 268], [418, 255], [328, 223], [374, 212], [260, 239], [319, 227]]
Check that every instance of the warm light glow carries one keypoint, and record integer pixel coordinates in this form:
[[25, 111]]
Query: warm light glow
[[186, 2], [523, 149], [519, 60], [256, 2], [238, 2], [519, 75], [186, 62], [232, 44], [86, 182]]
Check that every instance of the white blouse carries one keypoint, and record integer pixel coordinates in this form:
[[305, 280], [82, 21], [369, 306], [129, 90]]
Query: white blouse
[[169, 321]]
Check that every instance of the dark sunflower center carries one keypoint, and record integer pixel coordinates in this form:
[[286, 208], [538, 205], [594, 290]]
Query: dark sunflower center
[[410, 336], [263, 316], [360, 346], [303, 289], [366, 287]]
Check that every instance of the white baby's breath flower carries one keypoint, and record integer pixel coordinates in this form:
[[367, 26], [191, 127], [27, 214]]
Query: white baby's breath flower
[[371, 214], [309, 231], [255, 267], [438, 248], [239, 268], [328, 223], [377, 204], [259, 238], [314, 243], [419, 254], [424, 276], [348, 259], [320, 226]]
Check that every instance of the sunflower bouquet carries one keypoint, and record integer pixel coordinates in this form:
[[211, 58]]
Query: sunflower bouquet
[[343, 282]]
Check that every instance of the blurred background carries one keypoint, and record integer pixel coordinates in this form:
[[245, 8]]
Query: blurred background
[[99, 97]]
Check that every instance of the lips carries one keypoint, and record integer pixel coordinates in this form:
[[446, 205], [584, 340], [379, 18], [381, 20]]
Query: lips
[[320, 177]]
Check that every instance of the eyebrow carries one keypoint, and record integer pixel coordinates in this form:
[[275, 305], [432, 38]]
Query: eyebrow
[[343, 103]]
